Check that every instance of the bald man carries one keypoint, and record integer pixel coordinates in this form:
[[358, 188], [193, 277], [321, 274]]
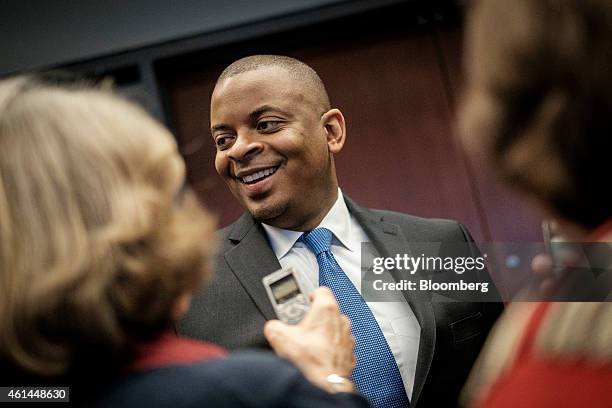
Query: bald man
[[276, 136]]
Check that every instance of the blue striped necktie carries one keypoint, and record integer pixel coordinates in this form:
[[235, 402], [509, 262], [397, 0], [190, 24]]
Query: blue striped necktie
[[376, 374]]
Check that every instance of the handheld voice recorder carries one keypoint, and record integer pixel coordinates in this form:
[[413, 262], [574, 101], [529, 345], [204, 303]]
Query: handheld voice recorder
[[285, 289]]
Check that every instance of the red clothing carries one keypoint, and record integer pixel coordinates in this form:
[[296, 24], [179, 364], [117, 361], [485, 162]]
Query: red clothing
[[536, 381], [169, 349], [543, 381]]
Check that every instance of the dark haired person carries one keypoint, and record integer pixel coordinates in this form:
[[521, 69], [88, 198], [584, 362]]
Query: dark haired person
[[277, 137], [538, 104]]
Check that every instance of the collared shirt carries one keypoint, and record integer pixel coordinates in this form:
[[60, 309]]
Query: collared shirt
[[396, 319]]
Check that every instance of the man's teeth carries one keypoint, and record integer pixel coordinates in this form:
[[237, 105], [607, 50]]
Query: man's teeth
[[260, 174]]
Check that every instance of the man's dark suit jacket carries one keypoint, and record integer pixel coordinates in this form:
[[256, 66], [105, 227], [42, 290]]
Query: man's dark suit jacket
[[233, 308]]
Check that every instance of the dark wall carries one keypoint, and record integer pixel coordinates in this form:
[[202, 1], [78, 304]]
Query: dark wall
[[397, 84], [393, 67]]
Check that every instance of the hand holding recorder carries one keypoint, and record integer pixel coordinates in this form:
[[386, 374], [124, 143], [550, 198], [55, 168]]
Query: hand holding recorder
[[321, 345]]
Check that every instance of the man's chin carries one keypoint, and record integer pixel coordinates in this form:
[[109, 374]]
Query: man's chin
[[266, 211]]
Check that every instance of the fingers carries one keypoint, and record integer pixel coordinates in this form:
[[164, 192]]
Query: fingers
[[346, 359], [350, 339], [320, 344], [273, 329], [275, 332], [323, 309], [543, 269], [322, 294], [547, 288], [346, 324], [542, 266]]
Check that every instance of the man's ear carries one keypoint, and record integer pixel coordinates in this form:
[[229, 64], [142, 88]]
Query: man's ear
[[335, 128]]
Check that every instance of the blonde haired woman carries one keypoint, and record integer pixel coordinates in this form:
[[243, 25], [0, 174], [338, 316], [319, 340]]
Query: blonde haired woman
[[100, 249]]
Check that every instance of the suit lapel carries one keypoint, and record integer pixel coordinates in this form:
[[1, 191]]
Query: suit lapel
[[389, 240], [251, 259]]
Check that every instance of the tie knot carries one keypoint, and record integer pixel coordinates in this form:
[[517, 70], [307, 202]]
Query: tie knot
[[318, 240]]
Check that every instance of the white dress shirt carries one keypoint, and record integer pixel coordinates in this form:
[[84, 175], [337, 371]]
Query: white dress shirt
[[396, 319]]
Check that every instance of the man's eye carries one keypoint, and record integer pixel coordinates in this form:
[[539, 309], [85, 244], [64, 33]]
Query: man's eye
[[223, 141], [268, 125]]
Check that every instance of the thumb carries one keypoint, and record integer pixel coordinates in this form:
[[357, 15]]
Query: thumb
[[275, 333]]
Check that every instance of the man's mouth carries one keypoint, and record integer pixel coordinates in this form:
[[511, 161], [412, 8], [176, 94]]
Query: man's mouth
[[258, 175]]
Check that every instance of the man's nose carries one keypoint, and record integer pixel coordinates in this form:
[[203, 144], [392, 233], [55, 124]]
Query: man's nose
[[245, 146]]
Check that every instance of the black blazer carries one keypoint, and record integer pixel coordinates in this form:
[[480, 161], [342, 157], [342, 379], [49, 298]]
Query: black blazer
[[233, 308]]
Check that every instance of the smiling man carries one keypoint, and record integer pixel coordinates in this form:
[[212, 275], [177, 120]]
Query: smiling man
[[276, 137]]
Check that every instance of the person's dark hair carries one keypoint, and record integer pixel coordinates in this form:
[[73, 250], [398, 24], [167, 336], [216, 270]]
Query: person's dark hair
[[548, 66], [301, 72]]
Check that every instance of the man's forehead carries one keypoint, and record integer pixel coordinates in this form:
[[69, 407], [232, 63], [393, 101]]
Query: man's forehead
[[267, 85], [271, 78]]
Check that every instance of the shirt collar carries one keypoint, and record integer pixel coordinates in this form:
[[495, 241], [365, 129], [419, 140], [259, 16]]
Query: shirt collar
[[337, 220]]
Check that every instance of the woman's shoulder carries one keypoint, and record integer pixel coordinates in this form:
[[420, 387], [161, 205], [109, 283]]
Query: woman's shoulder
[[577, 330], [237, 380], [243, 379], [544, 335]]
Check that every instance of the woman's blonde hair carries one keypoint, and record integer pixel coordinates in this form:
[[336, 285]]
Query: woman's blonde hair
[[97, 242]]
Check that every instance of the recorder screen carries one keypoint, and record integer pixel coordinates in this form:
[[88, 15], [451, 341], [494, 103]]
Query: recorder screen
[[284, 289]]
